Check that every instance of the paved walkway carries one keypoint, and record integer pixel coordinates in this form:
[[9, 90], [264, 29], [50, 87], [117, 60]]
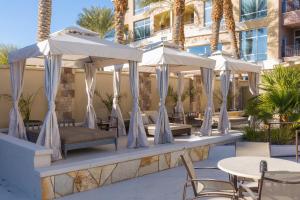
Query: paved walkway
[[166, 185]]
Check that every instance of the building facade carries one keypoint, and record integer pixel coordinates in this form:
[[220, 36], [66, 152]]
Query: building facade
[[268, 31]]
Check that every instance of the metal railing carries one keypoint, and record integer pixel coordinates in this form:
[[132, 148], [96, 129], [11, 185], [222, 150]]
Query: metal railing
[[288, 5], [291, 50]]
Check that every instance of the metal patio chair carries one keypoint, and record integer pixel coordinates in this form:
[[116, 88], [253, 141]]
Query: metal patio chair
[[205, 187], [252, 149], [277, 185]]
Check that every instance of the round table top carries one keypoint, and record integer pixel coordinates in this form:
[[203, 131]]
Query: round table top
[[248, 166]]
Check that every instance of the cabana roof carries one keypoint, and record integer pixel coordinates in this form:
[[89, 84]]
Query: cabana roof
[[224, 62], [77, 45], [165, 53]]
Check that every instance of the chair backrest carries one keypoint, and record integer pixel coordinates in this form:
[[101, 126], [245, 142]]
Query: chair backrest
[[252, 149], [280, 185], [189, 166]]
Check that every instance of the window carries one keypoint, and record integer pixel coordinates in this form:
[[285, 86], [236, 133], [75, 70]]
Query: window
[[254, 44], [207, 13], [138, 8], [202, 50], [253, 9], [142, 29]]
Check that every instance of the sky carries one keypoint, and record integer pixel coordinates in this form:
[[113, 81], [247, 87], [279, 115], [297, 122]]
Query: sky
[[18, 18]]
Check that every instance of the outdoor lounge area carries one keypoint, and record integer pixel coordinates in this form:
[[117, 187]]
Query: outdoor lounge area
[[150, 100], [64, 157]]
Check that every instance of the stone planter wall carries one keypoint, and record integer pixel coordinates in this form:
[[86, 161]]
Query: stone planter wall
[[82, 180]]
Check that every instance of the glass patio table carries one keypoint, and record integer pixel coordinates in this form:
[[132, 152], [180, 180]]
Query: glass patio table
[[248, 166]]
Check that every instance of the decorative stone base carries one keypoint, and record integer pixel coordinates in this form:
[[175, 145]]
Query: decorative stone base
[[82, 180]]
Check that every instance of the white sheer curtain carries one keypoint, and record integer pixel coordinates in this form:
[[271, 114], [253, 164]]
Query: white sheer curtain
[[253, 82], [224, 125], [163, 132], [49, 135], [16, 124], [253, 79], [180, 88], [90, 85], [116, 110], [207, 79], [137, 134]]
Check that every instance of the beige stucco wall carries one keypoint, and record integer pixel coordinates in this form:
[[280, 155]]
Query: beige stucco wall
[[34, 80]]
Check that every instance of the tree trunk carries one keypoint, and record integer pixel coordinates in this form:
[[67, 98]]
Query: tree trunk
[[230, 25], [120, 7], [44, 19], [178, 27], [181, 29], [216, 16]]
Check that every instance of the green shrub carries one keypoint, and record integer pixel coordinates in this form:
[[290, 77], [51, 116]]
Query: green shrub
[[279, 136]]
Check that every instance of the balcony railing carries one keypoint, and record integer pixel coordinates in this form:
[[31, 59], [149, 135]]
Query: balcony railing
[[291, 50], [290, 5]]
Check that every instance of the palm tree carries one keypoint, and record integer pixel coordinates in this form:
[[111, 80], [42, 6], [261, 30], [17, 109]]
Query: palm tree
[[216, 17], [120, 7], [280, 96], [220, 7], [44, 19], [178, 28], [97, 19], [230, 25]]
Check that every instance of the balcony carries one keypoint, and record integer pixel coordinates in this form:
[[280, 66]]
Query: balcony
[[291, 52], [291, 13]]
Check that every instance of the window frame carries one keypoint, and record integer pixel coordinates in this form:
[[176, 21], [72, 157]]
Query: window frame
[[256, 12], [256, 37], [144, 25]]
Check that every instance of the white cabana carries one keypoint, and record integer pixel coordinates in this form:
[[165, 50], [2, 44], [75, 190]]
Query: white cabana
[[72, 47], [167, 58], [227, 65]]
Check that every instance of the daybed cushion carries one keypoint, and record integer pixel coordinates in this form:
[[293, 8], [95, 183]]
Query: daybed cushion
[[173, 126], [153, 115], [73, 135]]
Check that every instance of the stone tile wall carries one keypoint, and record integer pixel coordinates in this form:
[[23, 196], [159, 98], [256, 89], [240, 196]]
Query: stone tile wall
[[66, 94], [82, 180]]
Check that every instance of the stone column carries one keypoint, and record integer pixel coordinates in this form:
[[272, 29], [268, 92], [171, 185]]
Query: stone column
[[145, 91], [66, 95]]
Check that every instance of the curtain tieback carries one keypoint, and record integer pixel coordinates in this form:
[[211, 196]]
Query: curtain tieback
[[51, 106], [16, 104]]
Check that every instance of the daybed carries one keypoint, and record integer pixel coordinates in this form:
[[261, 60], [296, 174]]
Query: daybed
[[149, 120], [79, 137]]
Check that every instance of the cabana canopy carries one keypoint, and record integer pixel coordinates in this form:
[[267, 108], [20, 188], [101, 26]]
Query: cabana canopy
[[77, 46], [164, 53], [224, 62]]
